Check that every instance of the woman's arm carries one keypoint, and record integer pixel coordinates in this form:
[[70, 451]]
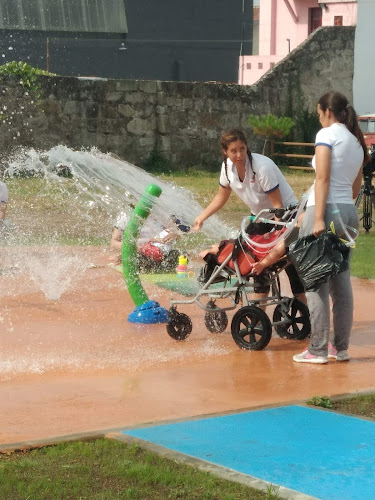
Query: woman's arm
[[275, 198], [357, 184], [275, 254], [116, 240], [322, 181], [218, 201]]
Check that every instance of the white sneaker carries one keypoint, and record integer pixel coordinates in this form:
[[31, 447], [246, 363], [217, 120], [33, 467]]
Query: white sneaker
[[307, 357]]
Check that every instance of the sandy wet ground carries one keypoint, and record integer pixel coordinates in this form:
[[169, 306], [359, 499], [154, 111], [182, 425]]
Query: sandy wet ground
[[77, 365]]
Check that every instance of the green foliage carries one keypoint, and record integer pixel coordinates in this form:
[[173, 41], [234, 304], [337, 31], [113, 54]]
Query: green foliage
[[271, 126], [320, 401], [26, 73], [28, 173], [272, 492], [307, 125], [157, 162]]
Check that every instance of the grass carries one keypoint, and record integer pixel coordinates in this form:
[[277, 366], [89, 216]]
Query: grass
[[360, 405], [42, 212], [362, 264], [105, 469]]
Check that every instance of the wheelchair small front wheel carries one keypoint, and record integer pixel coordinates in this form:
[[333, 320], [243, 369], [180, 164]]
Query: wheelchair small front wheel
[[179, 325], [251, 328]]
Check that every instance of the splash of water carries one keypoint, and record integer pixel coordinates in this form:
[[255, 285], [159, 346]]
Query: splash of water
[[104, 181], [58, 211], [82, 209], [54, 272]]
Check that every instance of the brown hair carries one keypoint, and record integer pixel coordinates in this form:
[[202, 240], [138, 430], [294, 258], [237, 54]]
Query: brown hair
[[232, 136], [344, 113]]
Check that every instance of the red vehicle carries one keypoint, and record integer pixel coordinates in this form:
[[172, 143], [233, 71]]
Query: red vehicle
[[367, 124]]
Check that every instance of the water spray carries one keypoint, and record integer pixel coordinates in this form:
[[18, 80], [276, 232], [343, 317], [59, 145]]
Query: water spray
[[146, 311]]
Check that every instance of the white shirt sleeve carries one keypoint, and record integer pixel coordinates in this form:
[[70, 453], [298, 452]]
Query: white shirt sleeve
[[267, 175], [324, 138]]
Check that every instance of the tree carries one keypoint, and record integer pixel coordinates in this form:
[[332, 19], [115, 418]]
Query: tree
[[271, 127]]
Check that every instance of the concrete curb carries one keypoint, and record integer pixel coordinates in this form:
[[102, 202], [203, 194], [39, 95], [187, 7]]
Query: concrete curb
[[216, 470]]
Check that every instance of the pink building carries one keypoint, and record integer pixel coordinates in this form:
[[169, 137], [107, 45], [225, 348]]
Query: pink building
[[285, 24]]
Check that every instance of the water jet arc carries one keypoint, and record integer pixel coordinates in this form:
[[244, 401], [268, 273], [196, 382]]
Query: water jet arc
[[146, 311]]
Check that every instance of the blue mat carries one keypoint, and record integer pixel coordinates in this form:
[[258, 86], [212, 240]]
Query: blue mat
[[319, 453]]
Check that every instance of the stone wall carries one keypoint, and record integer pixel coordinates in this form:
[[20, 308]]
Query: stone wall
[[184, 120]]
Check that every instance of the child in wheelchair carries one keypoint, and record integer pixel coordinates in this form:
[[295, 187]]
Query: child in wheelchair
[[255, 261]]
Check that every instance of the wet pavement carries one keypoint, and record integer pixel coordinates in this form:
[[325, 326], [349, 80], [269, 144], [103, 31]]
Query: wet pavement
[[76, 365]]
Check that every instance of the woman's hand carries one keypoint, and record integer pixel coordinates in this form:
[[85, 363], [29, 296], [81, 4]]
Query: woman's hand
[[319, 228], [219, 200], [197, 224]]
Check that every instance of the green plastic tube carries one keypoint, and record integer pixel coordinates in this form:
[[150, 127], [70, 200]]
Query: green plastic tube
[[129, 244]]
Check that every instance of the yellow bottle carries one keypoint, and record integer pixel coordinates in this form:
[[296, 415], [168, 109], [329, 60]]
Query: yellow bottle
[[182, 270]]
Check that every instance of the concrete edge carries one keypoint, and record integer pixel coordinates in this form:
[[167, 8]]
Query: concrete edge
[[216, 470], [53, 440]]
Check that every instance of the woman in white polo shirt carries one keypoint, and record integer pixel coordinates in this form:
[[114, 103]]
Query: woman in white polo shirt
[[258, 181], [340, 151], [253, 177]]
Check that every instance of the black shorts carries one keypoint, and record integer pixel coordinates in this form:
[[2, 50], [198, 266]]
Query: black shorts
[[261, 284]]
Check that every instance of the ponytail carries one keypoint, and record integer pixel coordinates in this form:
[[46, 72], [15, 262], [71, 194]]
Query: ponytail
[[344, 113], [353, 127]]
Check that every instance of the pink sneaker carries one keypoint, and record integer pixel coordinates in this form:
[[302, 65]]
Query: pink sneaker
[[307, 357], [333, 353]]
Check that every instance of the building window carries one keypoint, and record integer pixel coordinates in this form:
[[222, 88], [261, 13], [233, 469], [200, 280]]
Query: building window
[[315, 18], [260, 65], [337, 21], [248, 65], [272, 64]]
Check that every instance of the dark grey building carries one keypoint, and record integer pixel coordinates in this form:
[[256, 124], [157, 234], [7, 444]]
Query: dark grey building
[[195, 40]]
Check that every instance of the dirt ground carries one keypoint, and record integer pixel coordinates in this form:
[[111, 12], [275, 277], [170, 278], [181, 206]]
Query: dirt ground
[[76, 365]]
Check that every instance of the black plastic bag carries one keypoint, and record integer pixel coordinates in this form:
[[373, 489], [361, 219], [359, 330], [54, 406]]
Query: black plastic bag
[[318, 259]]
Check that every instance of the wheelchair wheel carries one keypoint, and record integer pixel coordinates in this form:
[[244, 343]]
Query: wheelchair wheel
[[296, 316], [179, 325], [251, 328], [215, 321]]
